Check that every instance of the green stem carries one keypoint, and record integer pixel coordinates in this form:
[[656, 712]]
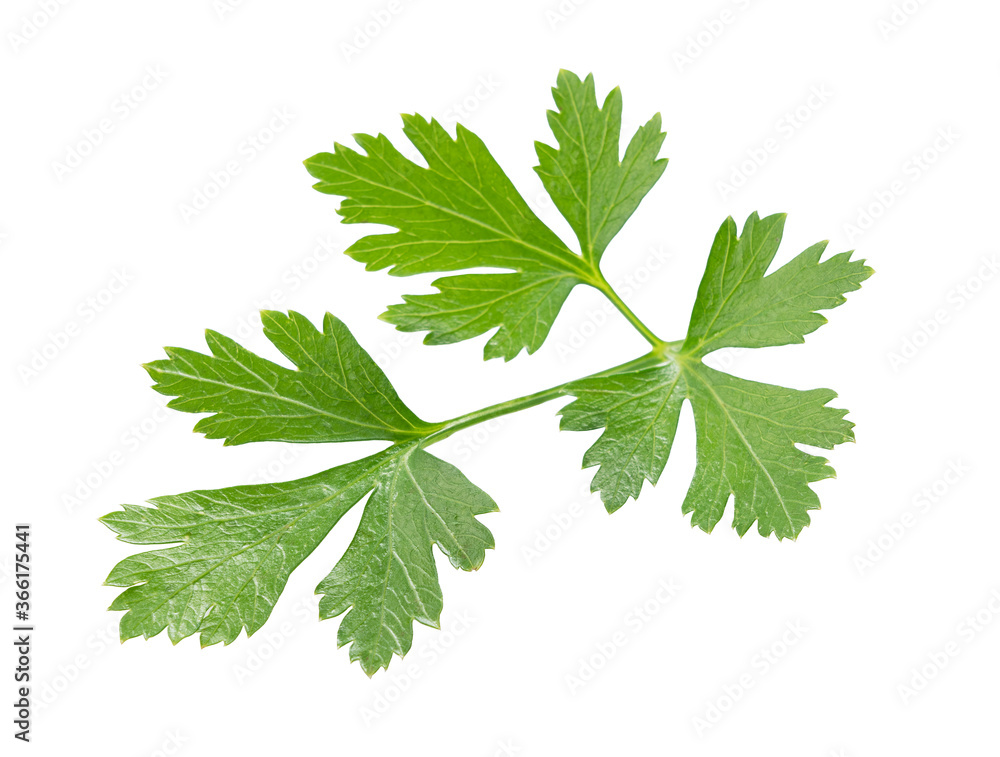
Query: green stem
[[447, 428], [662, 351], [608, 291]]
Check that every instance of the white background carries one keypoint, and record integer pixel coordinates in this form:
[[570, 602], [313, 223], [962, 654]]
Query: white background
[[892, 84]]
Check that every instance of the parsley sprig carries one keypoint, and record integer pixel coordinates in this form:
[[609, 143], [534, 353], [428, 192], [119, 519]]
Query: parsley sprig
[[236, 547]]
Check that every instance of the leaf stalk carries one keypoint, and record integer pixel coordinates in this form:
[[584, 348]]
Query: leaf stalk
[[447, 428]]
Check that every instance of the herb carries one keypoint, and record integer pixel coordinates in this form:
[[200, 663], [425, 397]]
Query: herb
[[236, 547]]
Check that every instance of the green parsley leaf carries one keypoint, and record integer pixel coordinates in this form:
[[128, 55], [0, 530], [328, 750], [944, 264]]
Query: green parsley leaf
[[738, 306], [594, 190], [462, 212], [229, 552], [524, 305], [239, 545], [639, 412], [337, 394], [237, 548], [747, 434], [388, 574], [747, 431]]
